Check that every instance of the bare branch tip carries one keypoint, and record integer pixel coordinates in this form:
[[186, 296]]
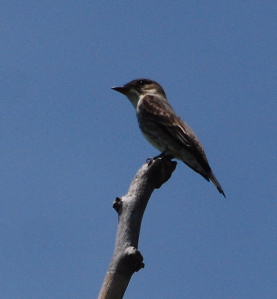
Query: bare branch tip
[[135, 258], [163, 167], [117, 204]]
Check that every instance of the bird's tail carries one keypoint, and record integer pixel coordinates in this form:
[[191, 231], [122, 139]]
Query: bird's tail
[[216, 183]]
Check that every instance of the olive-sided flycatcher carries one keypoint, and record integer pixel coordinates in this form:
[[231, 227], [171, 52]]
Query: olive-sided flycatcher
[[164, 129]]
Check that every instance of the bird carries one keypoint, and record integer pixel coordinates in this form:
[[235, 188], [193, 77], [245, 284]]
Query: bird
[[164, 129]]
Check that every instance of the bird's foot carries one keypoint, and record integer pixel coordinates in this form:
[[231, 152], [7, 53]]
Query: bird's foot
[[149, 161]]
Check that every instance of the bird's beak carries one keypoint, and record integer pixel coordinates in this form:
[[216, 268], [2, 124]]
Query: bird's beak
[[121, 89]]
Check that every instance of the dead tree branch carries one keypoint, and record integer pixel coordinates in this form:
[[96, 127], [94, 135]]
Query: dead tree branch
[[127, 259]]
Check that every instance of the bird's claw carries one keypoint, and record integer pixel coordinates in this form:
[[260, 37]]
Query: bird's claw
[[149, 161]]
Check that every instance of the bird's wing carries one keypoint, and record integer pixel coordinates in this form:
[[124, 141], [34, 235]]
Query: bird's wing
[[160, 113]]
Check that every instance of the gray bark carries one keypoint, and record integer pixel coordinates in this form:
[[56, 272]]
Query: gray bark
[[127, 259]]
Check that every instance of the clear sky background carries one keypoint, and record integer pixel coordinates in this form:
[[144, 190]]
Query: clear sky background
[[69, 145]]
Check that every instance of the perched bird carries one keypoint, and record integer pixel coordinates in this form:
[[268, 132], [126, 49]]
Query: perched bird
[[164, 129]]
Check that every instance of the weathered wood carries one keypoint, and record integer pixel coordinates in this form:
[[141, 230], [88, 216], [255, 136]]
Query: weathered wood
[[127, 259]]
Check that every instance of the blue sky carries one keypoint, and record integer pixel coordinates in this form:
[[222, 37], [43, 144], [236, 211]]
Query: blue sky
[[70, 145]]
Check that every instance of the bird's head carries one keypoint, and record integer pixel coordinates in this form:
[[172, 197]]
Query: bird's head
[[138, 88]]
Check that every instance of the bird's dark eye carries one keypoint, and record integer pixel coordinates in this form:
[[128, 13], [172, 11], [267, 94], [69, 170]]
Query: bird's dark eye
[[144, 81]]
